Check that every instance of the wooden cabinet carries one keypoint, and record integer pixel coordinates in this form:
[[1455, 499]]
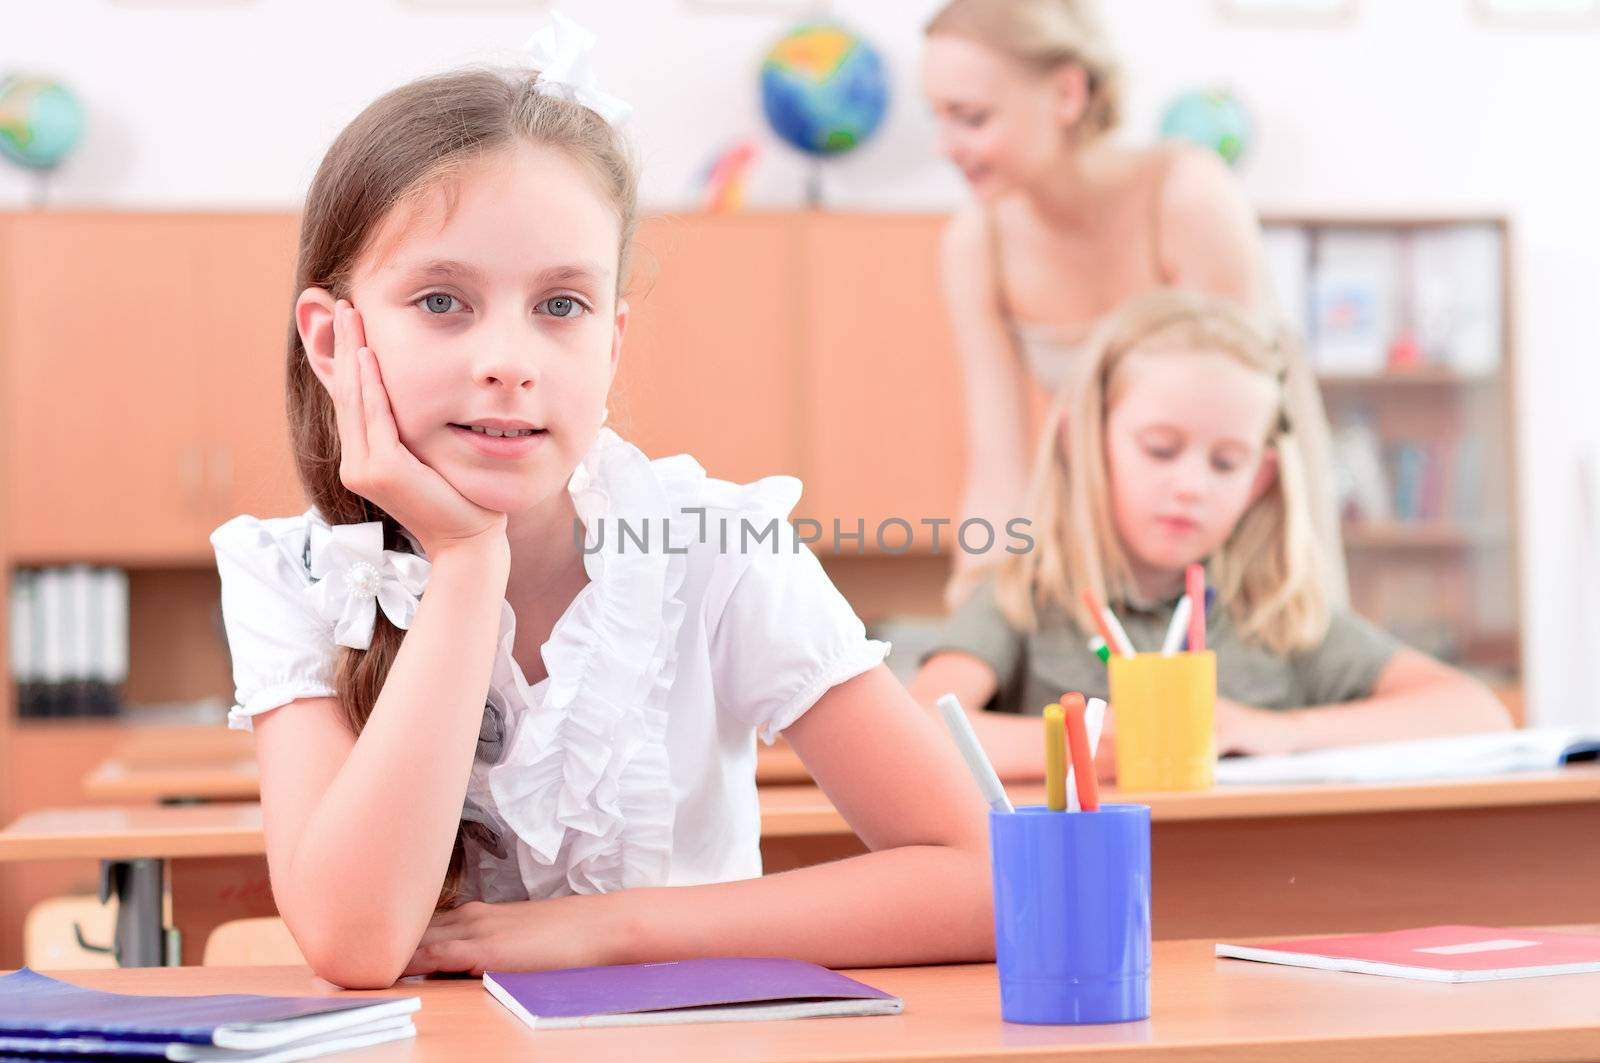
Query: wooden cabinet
[[885, 427], [102, 433], [246, 320], [712, 360], [144, 403]]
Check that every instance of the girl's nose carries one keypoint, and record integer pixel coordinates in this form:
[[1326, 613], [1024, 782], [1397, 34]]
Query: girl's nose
[[949, 142], [1190, 481], [508, 359]]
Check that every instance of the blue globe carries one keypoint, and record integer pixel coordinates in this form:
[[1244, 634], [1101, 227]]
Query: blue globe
[[40, 121], [823, 89], [1215, 120]]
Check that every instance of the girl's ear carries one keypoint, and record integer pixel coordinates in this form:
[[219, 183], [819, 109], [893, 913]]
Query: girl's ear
[[1266, 476], [1071, 84], [313, 317], [620, 327]]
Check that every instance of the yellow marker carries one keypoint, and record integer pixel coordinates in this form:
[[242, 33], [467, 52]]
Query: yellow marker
[[1055, 757]]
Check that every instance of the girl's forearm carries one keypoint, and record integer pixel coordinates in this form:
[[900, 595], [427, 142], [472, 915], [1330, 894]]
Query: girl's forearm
[[368, 866], [1446, 708], [917, 904]]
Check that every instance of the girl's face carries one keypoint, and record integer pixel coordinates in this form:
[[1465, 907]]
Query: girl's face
[[1185, 456], [1002, 126], [504, 317]]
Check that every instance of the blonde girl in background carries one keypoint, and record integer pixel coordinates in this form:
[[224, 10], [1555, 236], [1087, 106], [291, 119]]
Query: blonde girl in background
[[483, 743], [1064, 226], [1173, 442]]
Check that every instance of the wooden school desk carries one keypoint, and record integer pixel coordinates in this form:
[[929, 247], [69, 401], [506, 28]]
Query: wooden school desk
[[1202, 1009], [1233, 861]]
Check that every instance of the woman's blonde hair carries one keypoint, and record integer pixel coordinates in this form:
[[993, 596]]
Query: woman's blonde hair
[[1267, 573], [1042, 35], [409, 143]]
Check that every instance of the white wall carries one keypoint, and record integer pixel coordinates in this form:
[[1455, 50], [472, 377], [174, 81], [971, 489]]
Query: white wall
[[1413, 106]]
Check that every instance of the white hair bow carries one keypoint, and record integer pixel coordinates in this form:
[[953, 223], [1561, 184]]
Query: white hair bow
[[355, 575], [560, 51]]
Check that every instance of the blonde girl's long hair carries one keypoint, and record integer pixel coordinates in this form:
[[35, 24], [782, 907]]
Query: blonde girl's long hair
[[1042, 35], [409, 143], [1267, 573]]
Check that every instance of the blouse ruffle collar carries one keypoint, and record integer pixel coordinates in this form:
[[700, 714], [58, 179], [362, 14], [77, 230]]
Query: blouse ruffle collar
[[585, 781]]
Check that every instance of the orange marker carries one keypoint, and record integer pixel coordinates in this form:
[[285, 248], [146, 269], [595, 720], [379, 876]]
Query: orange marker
[[1105, 621], [1082, 756], [1195, 578]]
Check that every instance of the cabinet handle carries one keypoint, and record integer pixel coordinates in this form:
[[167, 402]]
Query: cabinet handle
[[193, 478], [221, 478]]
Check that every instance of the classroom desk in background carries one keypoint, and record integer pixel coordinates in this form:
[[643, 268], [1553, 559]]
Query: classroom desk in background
[[1236, 861], [224, 769], [1202, 1008]]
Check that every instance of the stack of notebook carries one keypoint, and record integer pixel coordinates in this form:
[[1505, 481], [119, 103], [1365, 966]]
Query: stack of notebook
[[42, 1018]]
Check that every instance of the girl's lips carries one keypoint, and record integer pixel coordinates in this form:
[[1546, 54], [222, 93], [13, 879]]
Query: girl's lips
[[501, 446], [1177, 525]]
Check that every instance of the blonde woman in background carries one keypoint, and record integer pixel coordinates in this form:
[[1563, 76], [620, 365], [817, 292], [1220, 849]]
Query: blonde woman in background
[[1065, 226]]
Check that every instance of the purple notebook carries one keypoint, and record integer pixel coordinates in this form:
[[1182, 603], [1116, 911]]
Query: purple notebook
[[647, 994]]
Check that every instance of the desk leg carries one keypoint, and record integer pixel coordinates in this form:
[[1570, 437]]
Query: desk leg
[[140, 939]]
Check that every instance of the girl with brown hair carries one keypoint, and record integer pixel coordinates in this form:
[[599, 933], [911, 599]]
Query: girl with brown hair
[[506, 672]]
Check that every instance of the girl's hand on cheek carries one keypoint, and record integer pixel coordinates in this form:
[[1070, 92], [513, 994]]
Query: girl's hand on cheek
[[1242, 729], [376, 465]]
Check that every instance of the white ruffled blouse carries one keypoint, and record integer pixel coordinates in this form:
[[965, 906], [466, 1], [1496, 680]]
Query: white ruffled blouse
[[633, 762]]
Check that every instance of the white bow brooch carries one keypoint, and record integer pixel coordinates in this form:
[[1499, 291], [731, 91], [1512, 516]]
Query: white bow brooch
[[355, 575]]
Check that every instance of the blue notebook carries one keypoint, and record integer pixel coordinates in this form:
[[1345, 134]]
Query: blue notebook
[[43, 1018]]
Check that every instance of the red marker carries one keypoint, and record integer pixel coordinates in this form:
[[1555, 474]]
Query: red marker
[[1195, 581], [1082, 757]]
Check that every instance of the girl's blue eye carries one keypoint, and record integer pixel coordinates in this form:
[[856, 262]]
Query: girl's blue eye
[[437, 303], [562, 306]]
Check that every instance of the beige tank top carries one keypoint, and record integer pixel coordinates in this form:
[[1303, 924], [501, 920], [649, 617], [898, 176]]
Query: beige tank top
[[1049, 348]]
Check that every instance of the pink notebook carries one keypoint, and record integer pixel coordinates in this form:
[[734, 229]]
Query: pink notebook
[[1436, 953]]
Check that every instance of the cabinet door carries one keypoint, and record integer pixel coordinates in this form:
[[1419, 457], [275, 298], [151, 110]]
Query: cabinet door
[[102, 430], [244, 321], [711, 361], [885, 431]]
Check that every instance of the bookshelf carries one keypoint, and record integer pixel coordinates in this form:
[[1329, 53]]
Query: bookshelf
[[1406, 322]]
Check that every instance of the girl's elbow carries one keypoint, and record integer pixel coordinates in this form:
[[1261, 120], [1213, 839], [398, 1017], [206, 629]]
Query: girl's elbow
[[351, 955], [364, 966]]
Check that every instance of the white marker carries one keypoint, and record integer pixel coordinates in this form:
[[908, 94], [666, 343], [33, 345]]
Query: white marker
[[955, 718]]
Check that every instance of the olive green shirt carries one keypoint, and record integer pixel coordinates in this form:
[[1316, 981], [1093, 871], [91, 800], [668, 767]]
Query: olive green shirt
[[1034, 670]]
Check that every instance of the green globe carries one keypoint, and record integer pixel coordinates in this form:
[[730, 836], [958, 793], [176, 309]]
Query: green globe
[[823, 89], [40, 121]]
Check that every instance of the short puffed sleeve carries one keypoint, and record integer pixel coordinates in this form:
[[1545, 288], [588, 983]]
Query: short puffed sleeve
[[282, 648], [784, 634]]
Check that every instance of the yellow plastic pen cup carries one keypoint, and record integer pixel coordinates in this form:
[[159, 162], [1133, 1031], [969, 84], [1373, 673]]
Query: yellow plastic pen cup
[[1165, 719]]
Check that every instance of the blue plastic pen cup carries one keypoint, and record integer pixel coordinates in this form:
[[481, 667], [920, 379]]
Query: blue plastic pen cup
[[1072, 913]]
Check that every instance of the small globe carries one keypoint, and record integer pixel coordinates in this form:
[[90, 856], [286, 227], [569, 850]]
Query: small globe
[[824, 89], [40, 121], [1215, 120]]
